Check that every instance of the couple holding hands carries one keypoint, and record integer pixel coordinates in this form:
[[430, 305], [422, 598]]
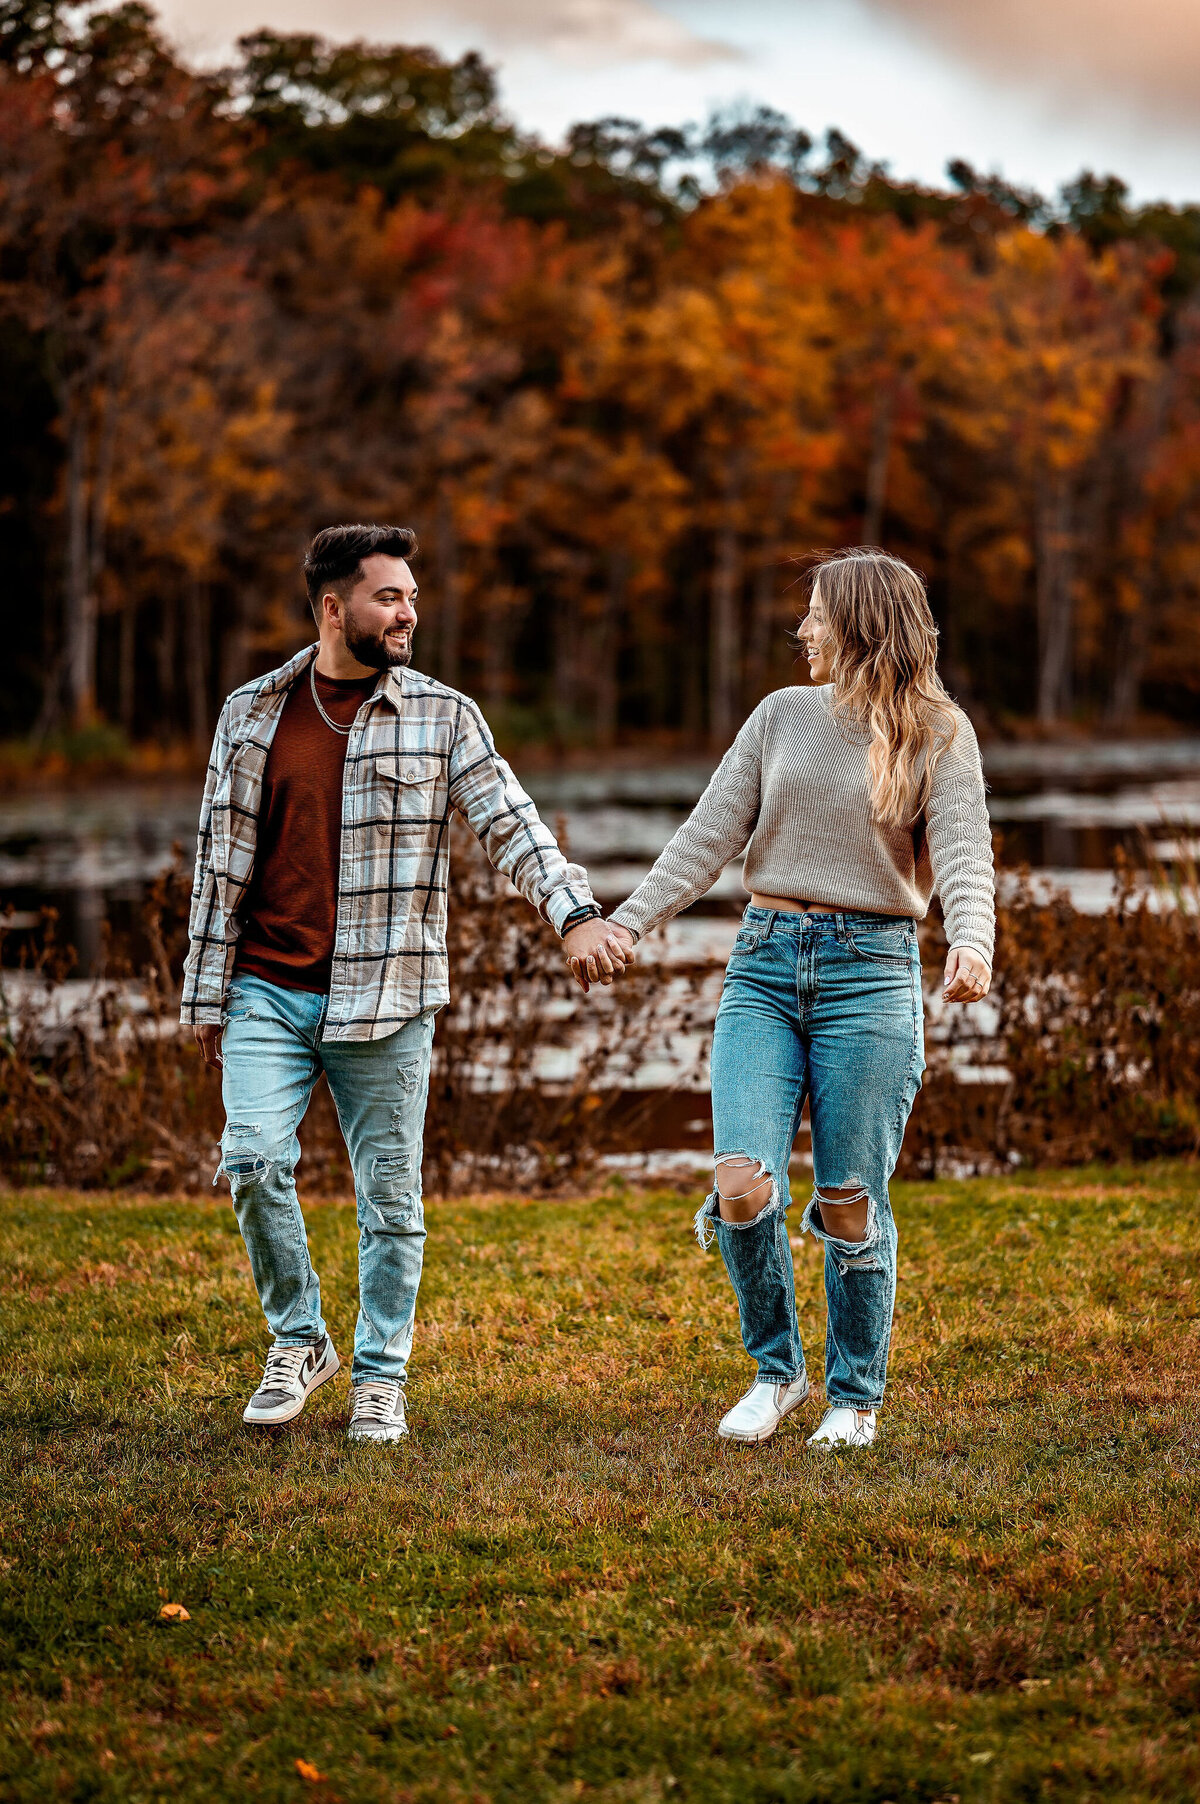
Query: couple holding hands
[[318, 943]]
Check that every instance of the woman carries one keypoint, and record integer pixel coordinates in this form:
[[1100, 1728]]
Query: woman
[[853, 801]]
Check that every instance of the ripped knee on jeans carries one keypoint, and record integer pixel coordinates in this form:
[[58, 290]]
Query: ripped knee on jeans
[[744, 1187], [844, 1216], [745, 1192]]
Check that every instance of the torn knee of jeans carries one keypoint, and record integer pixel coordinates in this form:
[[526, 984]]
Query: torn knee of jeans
[[402, 1214], [746, 1177], [243, 1170], [813, 1222], [242, 1130], [391, 1175]]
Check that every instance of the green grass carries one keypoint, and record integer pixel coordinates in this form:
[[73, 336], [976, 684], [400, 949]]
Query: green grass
[[563, 1587]]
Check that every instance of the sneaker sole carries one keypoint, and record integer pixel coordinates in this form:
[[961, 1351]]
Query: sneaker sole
[[383, 1434], [328, 1371], [756, 1440]]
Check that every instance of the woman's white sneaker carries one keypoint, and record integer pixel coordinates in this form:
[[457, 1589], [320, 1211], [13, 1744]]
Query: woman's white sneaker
[[844, 1427], [761, 1411], [378, 1413], [291, 1376]]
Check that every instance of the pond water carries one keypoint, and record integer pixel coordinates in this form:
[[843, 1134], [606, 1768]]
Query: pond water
[[1062, 809]]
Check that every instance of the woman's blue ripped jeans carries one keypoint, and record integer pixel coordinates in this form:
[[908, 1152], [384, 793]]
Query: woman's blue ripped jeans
[[273, 1054], [826, 1007]]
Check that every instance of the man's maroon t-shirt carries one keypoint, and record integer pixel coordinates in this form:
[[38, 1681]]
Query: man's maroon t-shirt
[[290, 916]]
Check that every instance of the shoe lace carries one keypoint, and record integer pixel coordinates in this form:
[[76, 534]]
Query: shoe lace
[[283, 1367], [376, 1402]]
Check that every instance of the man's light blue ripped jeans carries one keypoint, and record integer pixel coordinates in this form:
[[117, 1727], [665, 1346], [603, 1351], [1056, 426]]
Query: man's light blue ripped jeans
[[828, 1008], [272, 1055]]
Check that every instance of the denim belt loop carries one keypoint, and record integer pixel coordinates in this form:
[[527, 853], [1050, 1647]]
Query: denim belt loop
[[842, 931], [770, 927]]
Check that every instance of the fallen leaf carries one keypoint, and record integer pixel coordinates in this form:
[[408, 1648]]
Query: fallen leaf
[[448, 1731], [981, 1759], [175, 1613], [308, 1771], [1033, 1684]]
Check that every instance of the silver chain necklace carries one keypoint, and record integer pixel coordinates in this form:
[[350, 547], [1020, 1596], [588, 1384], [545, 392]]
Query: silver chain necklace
[[312, 681]]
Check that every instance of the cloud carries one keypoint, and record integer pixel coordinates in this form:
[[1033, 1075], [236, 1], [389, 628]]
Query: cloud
[[587, 33], [1141, 52], [583, 30]]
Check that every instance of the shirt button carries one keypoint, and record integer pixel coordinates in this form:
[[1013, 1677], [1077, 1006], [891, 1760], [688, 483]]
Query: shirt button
[[410, 775]]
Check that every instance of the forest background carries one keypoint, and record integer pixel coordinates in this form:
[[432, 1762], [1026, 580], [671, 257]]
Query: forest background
[[615, 386]]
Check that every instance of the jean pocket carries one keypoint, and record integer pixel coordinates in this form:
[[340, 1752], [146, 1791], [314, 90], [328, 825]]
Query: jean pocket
[[884, 945], [748, 940]]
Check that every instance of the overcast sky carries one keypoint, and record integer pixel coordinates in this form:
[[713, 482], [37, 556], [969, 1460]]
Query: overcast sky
[[1036, 89]]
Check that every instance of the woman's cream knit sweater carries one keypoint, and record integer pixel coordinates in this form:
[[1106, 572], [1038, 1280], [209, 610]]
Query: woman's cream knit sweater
[[793, 792]]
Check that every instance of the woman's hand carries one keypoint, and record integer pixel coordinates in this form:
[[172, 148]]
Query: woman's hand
[[967, 976], [598, 952]]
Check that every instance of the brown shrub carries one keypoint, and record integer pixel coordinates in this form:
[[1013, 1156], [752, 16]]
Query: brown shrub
[[107, 1091], [1097, 1032], [1095, 1054]]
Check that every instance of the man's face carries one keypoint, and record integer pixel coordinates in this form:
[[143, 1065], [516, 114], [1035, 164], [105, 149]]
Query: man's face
[[380, 616]]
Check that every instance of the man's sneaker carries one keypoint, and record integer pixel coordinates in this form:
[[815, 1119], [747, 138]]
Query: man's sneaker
[[761, 1411], [844, 1427], [292, 1375], [378, 1413]]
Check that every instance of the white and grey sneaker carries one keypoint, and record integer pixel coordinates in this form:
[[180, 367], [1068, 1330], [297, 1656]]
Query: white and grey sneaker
[[844, 1427], [292, 1375], [378, 1413], [761, 1411]]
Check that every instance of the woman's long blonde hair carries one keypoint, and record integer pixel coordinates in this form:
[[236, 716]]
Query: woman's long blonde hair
[[884, 669]]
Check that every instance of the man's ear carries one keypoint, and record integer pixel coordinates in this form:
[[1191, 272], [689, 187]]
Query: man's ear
[[331, 606]]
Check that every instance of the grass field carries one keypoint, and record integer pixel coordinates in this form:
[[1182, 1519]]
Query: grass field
[[563, 1586]]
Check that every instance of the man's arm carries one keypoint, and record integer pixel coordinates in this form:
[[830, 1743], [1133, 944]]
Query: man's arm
[[518, 843], [204, 968]]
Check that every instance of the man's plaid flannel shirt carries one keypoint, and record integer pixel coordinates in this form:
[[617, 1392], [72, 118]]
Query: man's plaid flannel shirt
[[416, 752]]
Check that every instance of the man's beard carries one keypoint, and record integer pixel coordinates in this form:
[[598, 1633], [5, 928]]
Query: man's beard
[[373, 649]]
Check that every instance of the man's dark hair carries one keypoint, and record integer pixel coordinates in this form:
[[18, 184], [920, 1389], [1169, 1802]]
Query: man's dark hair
[[334, 559]]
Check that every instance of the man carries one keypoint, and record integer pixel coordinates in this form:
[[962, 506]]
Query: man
[[318, 943]]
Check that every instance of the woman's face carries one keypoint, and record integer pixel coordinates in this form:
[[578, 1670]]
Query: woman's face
[[815, 640]]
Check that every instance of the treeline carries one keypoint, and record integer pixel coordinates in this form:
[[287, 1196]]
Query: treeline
[[615, 387]]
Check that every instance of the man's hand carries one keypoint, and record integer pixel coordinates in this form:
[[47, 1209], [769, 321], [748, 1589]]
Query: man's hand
[[967, 977], [208, 1039], [597, 952]]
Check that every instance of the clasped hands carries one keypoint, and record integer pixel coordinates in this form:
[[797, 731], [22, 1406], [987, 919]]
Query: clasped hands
[[598, 952]]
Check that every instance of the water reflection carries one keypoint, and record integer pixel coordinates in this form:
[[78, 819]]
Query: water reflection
[[1063, 809]]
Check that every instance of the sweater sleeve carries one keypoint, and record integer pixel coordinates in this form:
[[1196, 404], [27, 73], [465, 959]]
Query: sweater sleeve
[[718, 828], [960, 845]]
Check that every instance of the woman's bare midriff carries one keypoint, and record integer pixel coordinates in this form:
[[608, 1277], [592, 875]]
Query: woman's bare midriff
[[786, 902], [800, 908]]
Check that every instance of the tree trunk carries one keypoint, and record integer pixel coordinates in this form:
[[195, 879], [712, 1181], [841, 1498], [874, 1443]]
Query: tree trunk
[[566, 662], [724, 672], [166, 649], [127, 666], [608, 645], [1132, 655], [195, 638], [1055, 580], [450, 600], [877, 466], [79, 597]]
